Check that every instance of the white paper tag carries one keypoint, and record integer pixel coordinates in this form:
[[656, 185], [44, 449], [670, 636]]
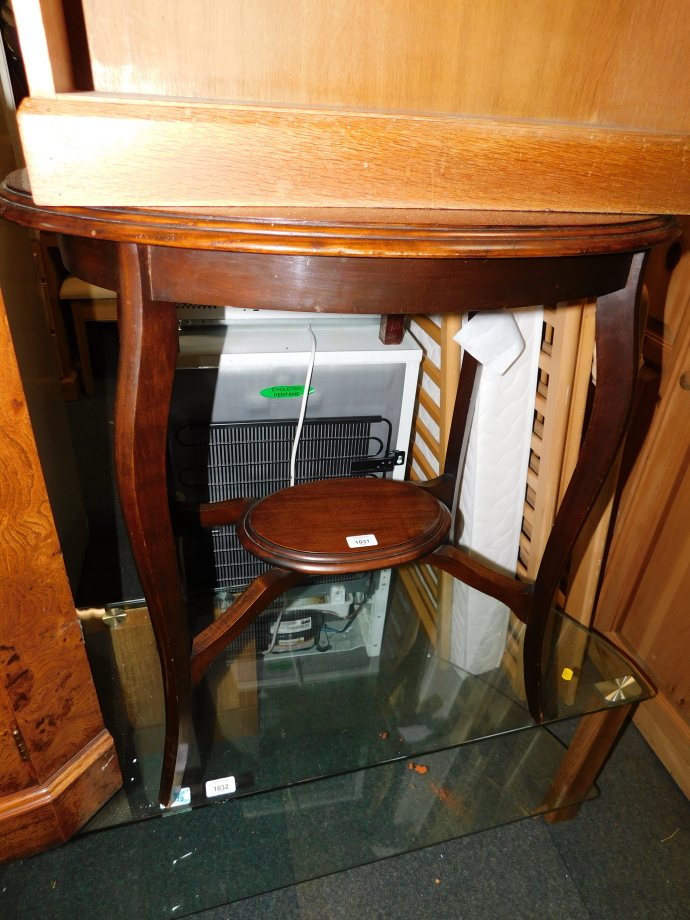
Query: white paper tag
[[224, 786], [365, 539]]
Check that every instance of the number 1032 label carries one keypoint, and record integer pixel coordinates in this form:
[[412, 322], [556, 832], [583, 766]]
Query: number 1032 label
[[224, 786]]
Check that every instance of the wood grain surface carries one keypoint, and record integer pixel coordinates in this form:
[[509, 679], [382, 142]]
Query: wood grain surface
[[46, 691], [86, 150], [305, 528], [50, 813], [589, 61]]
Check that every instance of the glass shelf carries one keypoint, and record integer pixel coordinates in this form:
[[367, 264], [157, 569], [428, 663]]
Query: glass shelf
[[355, 737]]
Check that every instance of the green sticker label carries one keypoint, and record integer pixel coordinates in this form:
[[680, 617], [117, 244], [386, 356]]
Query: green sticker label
[[284, 392]]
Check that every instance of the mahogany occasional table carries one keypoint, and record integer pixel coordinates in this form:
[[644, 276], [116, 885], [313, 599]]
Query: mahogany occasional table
[[342, 261]]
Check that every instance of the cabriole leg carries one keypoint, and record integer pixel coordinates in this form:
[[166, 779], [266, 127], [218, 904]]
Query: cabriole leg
[[617, 336], [148, 352]]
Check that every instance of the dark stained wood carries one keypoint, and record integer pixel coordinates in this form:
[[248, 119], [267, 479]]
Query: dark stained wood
[[586, 755], [367, 232], [210, 514], [239, 615], [95, 261], [305, 528], [78, 44], [344, 261], [513, 593], [392, 328], [461, 422], [617, 343], [148, 340], [378, 285]]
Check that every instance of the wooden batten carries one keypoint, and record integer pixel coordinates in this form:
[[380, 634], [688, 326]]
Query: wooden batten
[[45, 47], [85, 149]]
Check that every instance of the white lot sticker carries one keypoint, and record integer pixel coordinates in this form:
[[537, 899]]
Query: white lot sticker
[[224, 786], [365, 539]]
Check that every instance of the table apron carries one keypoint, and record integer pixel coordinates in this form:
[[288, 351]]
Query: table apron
[[339, 284]]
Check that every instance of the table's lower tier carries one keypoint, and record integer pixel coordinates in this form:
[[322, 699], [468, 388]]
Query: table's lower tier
[[348, 741]]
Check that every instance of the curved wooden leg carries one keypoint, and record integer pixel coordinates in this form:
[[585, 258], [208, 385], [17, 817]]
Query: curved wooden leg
[[240, 614], [587, 752], [617, 336], [513, 593], [148, 352]]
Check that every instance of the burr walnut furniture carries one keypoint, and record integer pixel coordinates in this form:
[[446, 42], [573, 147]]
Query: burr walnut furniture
[[57, 762], [374, 261], [509, 104]]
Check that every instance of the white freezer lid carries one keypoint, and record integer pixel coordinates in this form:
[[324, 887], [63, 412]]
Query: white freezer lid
[[242, 345]]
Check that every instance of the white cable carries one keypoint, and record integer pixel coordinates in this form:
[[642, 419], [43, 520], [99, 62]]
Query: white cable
[[303, 407], [274, 634]]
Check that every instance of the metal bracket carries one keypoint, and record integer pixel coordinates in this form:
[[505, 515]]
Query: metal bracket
[[618, 689], [383, 464], [114, 616]]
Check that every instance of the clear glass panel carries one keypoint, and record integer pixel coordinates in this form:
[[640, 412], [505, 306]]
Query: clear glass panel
[[361, 673], [386, 716]]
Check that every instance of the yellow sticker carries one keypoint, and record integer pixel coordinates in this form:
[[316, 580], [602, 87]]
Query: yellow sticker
[[567, 674]]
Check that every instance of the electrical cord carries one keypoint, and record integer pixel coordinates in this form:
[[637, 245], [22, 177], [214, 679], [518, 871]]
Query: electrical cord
[[353, 616], [274, 637], [303, 407]]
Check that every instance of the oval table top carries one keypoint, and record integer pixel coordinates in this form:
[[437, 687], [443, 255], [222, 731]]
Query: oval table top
[[374, 232]]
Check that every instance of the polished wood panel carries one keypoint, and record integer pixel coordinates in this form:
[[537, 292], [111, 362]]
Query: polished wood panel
[[305, 528], [95, 261], [590, 61], [85, 150], [377, 285]]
